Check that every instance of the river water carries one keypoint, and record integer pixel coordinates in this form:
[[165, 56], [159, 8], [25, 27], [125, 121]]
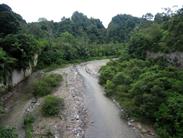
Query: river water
[[104, 115]]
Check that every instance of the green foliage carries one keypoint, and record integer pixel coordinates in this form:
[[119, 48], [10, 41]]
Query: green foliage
[[93, 29], [155, 92], [4, 7], [121, 27], [151, 90], [169, 118], [145, 40], [28, 122], [106, 73], [10, 22], [29, 119], [21, 47], [6, 65], [3, 55], [162, 35], [46, 84], [17, 49], [52, 105], [147, 91], [3, 59], [67, 48], [7, 132], [121, 78], [50, 56], [78, 25], [41, 89]]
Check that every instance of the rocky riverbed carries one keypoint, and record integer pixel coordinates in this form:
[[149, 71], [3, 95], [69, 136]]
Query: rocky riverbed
[[88, 113]]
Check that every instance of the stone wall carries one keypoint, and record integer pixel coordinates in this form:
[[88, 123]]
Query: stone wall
[[19, 75]]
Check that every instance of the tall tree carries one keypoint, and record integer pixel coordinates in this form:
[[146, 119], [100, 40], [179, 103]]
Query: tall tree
[[121, 26], [10, 22]]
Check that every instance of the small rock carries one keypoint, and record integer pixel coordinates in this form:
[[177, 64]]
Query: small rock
[[132, 120], [143, 131], [129, 123], [77, 117], [139, 126], [77, 135]]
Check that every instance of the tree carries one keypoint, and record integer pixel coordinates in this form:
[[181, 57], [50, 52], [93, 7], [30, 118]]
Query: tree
[[42, 19], [21, 47], [10, 22], [148, 16], [169, 121], [121, 26], [4, 7]]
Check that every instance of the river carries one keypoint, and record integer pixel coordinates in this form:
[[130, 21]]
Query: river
[[88, 112], [104, 115]]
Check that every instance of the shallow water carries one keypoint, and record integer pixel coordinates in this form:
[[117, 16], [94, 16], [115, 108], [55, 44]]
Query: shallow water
[[104, 116]]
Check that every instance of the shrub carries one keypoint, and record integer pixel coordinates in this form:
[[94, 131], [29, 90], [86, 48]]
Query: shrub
[[52, 105], [46, 84], [109, 86], [28, 121], [169, 120], [7, 132], [148, 91], [121, 78], [106, 73], [41, 88], [53, 79]]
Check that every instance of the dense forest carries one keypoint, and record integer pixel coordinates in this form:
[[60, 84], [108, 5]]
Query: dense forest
[[147, 87]]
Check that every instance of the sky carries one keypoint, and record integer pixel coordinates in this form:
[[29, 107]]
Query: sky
[[32, 10]]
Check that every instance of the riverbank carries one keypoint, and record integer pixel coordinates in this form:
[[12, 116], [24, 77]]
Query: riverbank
[[88, 113]]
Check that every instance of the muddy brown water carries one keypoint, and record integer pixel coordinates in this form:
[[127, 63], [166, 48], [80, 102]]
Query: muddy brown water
[[104, 115]]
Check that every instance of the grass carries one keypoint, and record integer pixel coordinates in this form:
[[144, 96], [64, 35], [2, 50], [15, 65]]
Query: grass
[[8, 132], [28, 124]]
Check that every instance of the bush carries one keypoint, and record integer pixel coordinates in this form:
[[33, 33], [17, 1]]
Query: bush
[[121, 78], [52, 105], [28, 121], [148, 91], [41, 88], [169, 120], [46, 84], [107, 72], [109, 86], [7, 132], [53, 79]]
